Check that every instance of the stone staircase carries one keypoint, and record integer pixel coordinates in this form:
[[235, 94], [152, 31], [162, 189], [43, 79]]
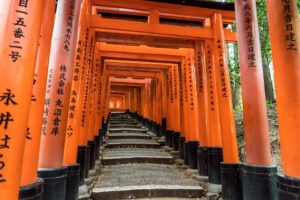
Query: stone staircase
[[133, 166]]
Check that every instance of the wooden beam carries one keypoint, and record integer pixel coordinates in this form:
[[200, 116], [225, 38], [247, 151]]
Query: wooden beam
[[126, 63], [141, 49], [144, 6], [140, 28], [130, 39], [131, 73], [139, 57], [155, 30]]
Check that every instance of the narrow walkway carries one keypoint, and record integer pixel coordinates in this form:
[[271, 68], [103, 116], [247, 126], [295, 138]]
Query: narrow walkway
[[135, 166]]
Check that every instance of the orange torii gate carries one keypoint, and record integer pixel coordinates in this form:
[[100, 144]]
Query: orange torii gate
[[191, 86]]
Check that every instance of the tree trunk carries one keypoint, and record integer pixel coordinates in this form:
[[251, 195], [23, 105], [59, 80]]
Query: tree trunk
[[236, 95], [268, 84]]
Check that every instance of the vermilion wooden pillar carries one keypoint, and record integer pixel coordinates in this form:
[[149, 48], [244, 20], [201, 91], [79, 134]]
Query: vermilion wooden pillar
[[285, 42], [201, 93], [164, 102], [206, 103], [81, 63], [18, 56], [87, 88], [57, 100], [192, 107], [173, 121], [230, 152], [176, 99], [96, 110], [185, 109], [73, 151], [4, 14], [32, 145], [232, 183], [72, 130], [192, 97], [183, 130], [92, 107], [214, 150], [170, 94]]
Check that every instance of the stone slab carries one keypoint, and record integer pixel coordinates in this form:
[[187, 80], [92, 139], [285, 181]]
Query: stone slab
[[132, 192], [144, 181], [135, 155], [129, 136], [125, 126], [142, 174], [132, 143], [122, 129]]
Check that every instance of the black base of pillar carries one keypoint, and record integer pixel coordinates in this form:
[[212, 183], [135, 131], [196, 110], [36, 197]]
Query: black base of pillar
[[259, 182], [171, 139], [215, 157], [232, 188], [97, 148], [92, 146], [55, 181], [202, 161], [81, 160], [163, 125], [192, 154], [185, 153], [87, 162], [175, 140], [101, 140], [73, 182], [181, 141], [167, 138], [289, 188], [33, 191]]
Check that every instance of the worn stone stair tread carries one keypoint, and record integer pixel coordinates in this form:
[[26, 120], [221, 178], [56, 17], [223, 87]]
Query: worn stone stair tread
[[140, 191], [139, 143], [132, 141], [127, 129], [129, 136], [136, 155], [126, 126], [123, 122], [142, 174]]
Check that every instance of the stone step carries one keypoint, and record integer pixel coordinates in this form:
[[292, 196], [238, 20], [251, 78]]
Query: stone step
[[129, 136], [123, 122], [144, 181], [132, 143], [125, 126], [135, 155], [127, 130], [133, 192]]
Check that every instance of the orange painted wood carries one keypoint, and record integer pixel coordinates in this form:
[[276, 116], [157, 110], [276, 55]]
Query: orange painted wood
[[185, 101], [192, 97], [59, 86], [201, 93], [84, 126], [285, 43], [4, 14], [18, 57], [143, 7], [32, 145], [74, 118], [230, 151], [174, 96], [214, 129], [254, 104]]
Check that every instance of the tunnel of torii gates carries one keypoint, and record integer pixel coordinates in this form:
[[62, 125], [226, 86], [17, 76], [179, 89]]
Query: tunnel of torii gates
[[165, 64]]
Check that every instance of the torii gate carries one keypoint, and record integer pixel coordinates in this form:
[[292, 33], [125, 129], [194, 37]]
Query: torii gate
[[77, 84]]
